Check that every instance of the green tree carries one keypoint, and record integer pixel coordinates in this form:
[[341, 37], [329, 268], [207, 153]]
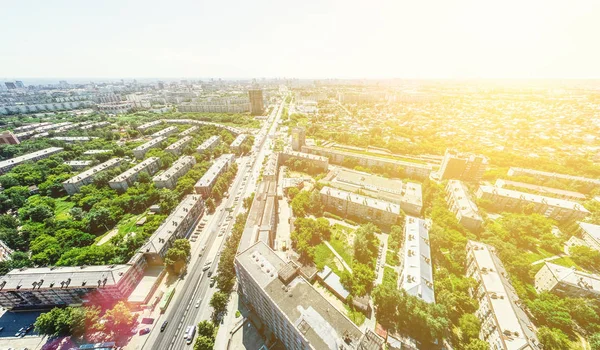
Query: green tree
[[55, 322], [594, 341], [177, 256], [477, 344], [585, 256], [553, 339], [469, 327], [218, 302], [119, 319]]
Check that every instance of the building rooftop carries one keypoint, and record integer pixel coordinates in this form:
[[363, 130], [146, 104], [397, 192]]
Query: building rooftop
[[94, 125], [270, 168], [214, 170], [510, 317], [266, 189], [29, 156], [164, 132], [177, 165], [417, 275], [178, 144], [69, 276], [97, 151], [239, 140], [149, 125], [556, 202], [541, 189], [78, 163], [321, 324], [73, 138], [460, 193], [93, 171], [360, 199], [188, 131], [549, 174], [162, 235], [209, 143], [306, 155], [591, 229], [150, 143], [575, 277], [368, 156], [136, 169]]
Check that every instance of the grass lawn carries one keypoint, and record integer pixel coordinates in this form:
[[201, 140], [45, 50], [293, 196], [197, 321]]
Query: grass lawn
[[391, 258], [538, 255], [127, 224], [324, 257], [355, 316], [565, 261], [62, 207]]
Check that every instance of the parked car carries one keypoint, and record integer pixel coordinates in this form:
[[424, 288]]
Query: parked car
[[144, 331], [164, 325]]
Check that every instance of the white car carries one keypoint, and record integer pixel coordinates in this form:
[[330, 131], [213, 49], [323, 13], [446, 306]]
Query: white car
[[198, 303]]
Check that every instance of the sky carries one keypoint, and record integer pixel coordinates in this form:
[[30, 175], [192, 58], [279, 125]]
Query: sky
[[424, 39]]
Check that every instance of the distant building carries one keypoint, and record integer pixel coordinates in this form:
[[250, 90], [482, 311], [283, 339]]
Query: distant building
[[94, 125], [168, 178], [410, 169], [140, 151], [235, 145], [271, 167], [128, 178], [590, 234], [186, 132], [416, 276], [178, 225], [291, 308], [9, 138], [177, 147], [73, 184], [459, 166], [354, 205], [19, 84], [567, 282], [206, 182], [460, 203], [96, 151], [504, 323], [508, 200], [8, 164], [256, 101], [10, 85], [148, 125], [319, 162], [298, 138], [543, 190], [115, 107], [209, 144], [165, 132], [78, 164], [589, 182]]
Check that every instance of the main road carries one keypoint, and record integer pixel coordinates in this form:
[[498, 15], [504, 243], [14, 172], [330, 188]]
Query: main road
[[183, 311]]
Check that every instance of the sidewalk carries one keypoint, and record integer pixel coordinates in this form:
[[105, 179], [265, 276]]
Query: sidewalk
[[338, 256], [230, 322]]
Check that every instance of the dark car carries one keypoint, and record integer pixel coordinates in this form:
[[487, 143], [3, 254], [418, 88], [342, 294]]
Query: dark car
[[164, 325], [29, 328], [144, 331]]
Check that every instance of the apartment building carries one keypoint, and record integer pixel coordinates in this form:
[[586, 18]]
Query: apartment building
[[199, 107], [31, 126], [291, 308], [149, 125], [589, 182], [73, 184], [231, 129], [126, 179], [78, 164], [510, 200], [461, 205], [590, 235], [140, 151], [47, 287], [7, 137], [206, 182], [410, 169], [235, 145], [177, 147], [71, 139], [115, 107], [319, 162], [416, 276], [358, 206], [209, 144], [567, 282], [461, 166], [94, 125], [256, 101], [298, 138], [186, 132], [261, 223], [168, 178], [8, 164], [543, 190], [504, 322], [165, 132], [178, 225], [92, 152], [408, 195], [271, 167]]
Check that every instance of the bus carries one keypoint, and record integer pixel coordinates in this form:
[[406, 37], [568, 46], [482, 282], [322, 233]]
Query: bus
[[166, 300], [190, 332]]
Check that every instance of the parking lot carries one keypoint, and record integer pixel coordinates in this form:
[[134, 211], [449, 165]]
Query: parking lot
[[11, 323]]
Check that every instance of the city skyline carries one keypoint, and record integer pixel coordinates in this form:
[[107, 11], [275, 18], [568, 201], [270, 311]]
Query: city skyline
[[385, 39]]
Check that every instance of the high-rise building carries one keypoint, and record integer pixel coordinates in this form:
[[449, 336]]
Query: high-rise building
[[10, 85], [468, 167], [256, 101], [19, 84], [298, 139]]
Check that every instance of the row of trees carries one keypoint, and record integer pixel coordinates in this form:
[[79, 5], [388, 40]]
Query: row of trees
[[177, 256]]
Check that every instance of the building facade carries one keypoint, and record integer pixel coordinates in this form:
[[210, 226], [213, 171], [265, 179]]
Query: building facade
[[177, 147], [256, 101], [567, 282], [8, 164], [140, 151], [416, 276], [459, 166], [206, 182], [235, 145], [126, 179], [460, 203], [354, 205], [504, 323], [73, 184], [168, 179]]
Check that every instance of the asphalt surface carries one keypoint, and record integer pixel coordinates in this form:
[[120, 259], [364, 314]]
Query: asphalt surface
[[182, 311]]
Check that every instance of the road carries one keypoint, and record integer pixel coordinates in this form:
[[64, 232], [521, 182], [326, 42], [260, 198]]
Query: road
[[183, 311]]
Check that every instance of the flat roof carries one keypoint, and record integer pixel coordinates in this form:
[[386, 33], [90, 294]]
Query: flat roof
[[591, 229], [360, 199], [149, 125], [179, 143], [93, 171], [163, 233], [460, 194], [502, 298], [575, 277], [150, 143], [543, 189], [97, 151], [136, 169], [188, 131], [321, 324], [557, 202], [550, 174], [417, 273], [306, 155], [23, 279], [214, 170], [209, 142], [78, 163], [165, 131], [367, 156], [174, 169], [239, 140], [29, 156], [94, 125]]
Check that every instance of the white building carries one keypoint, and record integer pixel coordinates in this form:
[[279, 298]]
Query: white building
[[209, 144], [177, 147], [235, 145], [504, 322], [460, 203], [355, 205], [416, 277], [140, 151], [206, 182], [186, 132], [568, 282], [73, 184], [8, 164], [126, 179], [168, 178], [164, 132]]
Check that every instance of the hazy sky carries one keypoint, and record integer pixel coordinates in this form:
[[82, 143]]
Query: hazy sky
[[304, 39]]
